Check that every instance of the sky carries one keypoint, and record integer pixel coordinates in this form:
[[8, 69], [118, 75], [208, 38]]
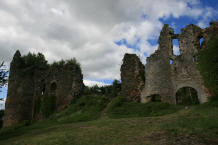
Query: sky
[[96, 32]]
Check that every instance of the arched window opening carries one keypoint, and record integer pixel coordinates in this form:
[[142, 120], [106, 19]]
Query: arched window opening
[[53, 86], [155, 98], [176, 50], [171, 61], [193, 59], [187, 96]]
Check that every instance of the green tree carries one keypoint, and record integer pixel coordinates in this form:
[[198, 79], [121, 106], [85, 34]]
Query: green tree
[[208, 64], [3, 74]]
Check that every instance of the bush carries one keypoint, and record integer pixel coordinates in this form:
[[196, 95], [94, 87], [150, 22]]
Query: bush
[[213, 101], [208, 64]]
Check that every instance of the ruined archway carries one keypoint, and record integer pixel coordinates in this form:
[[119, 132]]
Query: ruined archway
[[187, 96], [154, 98]]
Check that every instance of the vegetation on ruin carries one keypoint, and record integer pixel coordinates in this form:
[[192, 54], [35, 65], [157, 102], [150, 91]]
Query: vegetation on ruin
[[208, 64], [33, 60], [70, 62], [38, 61], [48, 105]]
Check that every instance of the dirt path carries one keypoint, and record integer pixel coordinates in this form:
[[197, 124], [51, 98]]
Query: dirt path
[[104, 112]]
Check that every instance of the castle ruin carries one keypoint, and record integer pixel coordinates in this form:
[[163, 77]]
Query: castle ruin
[[29, 88], [166, 73], [162, 76]]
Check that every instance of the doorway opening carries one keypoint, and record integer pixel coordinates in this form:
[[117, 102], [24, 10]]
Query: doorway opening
[[155, 98], [187, 96]]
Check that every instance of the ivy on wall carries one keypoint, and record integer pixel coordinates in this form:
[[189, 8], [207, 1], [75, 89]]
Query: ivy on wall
[[208, 64]]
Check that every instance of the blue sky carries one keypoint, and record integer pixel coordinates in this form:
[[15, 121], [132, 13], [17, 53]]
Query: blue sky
[[97, 33]]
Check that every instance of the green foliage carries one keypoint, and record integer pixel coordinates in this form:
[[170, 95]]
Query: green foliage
[[208, 64], [195, 125], [110, 91], [83, 109], [48, 105], [38, 61], [120, 108], [71, 62], [37, 106], [34, 60], [213, 101], [3, 75]]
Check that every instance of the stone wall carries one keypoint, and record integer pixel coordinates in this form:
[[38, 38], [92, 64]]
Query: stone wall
[[28, 85], [166, 73], [20, 93], [132, 77]]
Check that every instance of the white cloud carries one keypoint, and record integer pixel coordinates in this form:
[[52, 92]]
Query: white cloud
[[87, 30], [91, 83]]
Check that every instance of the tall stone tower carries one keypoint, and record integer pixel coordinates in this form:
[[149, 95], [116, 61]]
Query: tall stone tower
[[19, 101], [132, 77]]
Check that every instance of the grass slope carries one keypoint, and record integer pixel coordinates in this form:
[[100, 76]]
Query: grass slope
[[167, 124]]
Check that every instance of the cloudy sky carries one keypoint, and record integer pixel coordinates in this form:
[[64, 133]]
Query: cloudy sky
[[96, 32]]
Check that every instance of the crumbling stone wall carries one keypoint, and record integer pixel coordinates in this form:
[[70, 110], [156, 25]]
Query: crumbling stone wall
[[20, 93], [132, 77], [28, 87], [164, 78]]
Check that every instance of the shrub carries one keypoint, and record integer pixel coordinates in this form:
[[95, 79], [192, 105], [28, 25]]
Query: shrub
[[1, 117]]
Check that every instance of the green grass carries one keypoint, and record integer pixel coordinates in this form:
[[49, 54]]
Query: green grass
[[120, 108], [82, 124], [85, 108]]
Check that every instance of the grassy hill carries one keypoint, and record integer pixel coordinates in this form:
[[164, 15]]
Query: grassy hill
[[95, 120]]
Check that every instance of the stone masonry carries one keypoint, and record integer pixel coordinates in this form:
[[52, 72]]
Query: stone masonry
[[166, 73], [26, 85], [132, 76]]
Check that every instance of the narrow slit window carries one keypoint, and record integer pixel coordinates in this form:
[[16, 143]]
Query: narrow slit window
[[176, 50]]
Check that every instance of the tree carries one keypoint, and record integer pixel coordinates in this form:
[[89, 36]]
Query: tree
[[3, 75], [208, 64]]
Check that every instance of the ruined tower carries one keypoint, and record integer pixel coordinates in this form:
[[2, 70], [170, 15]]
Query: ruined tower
[[166, 73], [31, 90], [132, 77], [19, 101]]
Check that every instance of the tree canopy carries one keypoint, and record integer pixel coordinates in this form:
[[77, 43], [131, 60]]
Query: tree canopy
[[3, 74]]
